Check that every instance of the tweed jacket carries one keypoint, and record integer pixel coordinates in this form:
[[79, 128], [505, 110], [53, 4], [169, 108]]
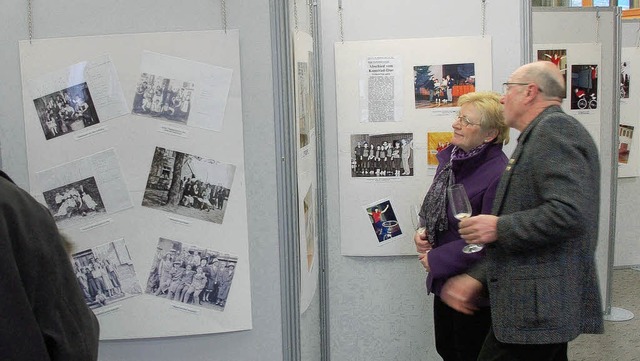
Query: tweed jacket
[[43, 312], [540, 273]]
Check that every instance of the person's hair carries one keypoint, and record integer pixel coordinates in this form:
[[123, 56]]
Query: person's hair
[[490, 108], [551, 84]]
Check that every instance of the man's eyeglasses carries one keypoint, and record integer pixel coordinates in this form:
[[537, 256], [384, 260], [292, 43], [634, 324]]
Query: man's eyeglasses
[[507, 85], [464, 121]]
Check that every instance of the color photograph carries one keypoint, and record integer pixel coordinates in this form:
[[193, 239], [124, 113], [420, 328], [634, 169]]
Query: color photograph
[[442, 85], [384, 221]]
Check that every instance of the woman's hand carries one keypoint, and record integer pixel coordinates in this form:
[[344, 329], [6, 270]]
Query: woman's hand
[[422, 244]]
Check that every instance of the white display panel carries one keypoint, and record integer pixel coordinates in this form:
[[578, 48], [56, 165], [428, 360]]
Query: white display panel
[[629, 149], [135, 139], [403, 182], [304, 86]]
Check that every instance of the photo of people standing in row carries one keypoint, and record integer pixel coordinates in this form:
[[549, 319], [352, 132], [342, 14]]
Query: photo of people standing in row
[[66, 111], [189, 274], [161, 97], [382, 155], [106, 274]]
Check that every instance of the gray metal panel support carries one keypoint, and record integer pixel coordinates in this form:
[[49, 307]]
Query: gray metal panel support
[[323, 252], [287, 184], [615, 124]]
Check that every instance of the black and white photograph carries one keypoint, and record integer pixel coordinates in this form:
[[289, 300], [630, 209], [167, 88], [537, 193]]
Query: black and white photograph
[[188, 185], [442, 85], [584, 87], [382, 155], [309, 227], [79, 199], [193, 275], [83, 190], [161, 97], [66, 111], [106, 274], [384, 221]]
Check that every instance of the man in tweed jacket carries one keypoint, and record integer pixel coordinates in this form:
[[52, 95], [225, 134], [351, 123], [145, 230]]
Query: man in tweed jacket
[[539, 270]]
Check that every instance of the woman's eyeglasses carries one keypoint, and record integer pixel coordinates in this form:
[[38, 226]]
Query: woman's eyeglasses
[[464, 121]]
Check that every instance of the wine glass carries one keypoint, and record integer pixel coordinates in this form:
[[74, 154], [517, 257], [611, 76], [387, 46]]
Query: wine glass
[[415, 219], [461, 209]]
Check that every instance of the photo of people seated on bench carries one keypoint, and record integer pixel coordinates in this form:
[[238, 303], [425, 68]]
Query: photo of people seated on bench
[[190, 274]]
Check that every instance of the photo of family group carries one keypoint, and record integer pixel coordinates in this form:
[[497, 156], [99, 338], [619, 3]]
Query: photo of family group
[[164, 98], [188, 185], [190, 274], [80, 200], [382, 155], [106, 274], [66, 111], [442, 85]]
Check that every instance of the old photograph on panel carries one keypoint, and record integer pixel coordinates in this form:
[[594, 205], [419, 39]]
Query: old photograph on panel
[[436, 141], [442, 85], [584, 87], [81, 191], [624, 79], [188, 185], [384, 221], [382, 155], [303, 103], [160, 97], [190, 274], [557, 57], [80, 199], [309, 226], [625, 135], [106, 274], [66, 111]]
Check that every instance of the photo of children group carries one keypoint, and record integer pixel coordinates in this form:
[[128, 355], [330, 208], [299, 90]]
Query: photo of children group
[[189, 274]]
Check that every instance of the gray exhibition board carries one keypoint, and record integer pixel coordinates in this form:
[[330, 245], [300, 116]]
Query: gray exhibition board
[[592, 28]]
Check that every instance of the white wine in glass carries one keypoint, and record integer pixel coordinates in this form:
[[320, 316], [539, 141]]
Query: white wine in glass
[[415, 219], [461, 208]]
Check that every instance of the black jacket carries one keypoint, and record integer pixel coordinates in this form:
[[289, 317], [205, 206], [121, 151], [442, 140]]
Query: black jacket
[[42, 310]]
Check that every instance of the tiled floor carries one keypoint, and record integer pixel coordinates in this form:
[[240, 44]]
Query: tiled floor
[[621, 340]]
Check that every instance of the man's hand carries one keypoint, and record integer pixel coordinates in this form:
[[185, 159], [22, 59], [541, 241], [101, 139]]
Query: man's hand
[[424, 260], [480, 229], [460, 293]]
